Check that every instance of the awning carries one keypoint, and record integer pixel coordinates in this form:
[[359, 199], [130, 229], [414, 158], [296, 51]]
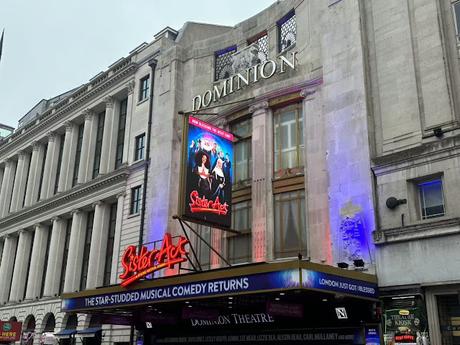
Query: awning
[[66, 333], [89, 332]]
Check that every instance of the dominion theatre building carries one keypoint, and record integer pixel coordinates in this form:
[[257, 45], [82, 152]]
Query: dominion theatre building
[[238, 184]]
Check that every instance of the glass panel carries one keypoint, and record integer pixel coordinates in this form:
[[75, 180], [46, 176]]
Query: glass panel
[[449, 319], [287, 31], [431, 197], [457, 16], [223, 63]]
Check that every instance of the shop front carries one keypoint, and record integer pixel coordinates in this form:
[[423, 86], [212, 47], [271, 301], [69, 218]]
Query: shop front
[[294, 302]]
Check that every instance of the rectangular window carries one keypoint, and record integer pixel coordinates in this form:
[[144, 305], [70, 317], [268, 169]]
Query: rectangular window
[[139, 147], [121, 132], [261, 41], [42, 170], [287, 31], [223, 63], [86, 249], [431, 199], [27, 182], [136, 198], [58, 172], [239, 247], [290, 230], [28, 266], [288, 139], [456, 11], [144, 88], [78, 154], [242, 151], [98, 150], [110, 241], [45, 265], [14, 180], [65, 254]]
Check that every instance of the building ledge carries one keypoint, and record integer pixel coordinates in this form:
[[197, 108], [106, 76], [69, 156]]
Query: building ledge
[[444, 227], [66, 198]]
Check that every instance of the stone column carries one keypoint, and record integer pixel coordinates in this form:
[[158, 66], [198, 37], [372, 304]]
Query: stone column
[[55, 258], [37, 262], [7, 187], [68, 156], [51, 162], [33, 182], [75, 256], [21, 266], [2, 171], [117, 239], [98, 249], [109, 137], [129, 114], [20, 181], [262, 196], [2, 243], [88, 147], [7, 265]]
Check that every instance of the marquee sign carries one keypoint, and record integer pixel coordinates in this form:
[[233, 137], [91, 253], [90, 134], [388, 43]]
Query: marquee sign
[[138, 265]]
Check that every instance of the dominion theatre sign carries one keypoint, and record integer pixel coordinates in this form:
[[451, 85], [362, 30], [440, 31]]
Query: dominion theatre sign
[[251, 75]]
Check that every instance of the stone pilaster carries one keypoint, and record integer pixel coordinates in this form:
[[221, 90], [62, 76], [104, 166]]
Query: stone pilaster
[[7, 187], [21, 266], [109, 137], [33, 182], [88, 147], [75, 256], [117, 238], [20, 181], [37, 262], [7, 266], [262, 196], [55, 258], [98, 249], [51, 162]]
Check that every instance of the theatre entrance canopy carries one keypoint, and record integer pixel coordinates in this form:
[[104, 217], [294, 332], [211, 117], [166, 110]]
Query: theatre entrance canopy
[[285, 289]]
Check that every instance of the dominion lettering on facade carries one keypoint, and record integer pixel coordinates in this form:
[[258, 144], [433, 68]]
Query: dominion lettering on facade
[[251, 75]]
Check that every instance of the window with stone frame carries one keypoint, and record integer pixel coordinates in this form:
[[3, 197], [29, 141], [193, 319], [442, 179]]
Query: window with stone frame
[[86, 250], [290, 229], [45, 264], [144, 88], [288, 143], [59, 163], [261, 40], [121, 133], [78, 154], [239, 246], [242, 155], [136, 199], [65, 254], [431, 198], [223, 63], [139, 147], [287, 31], [42, 170], [110, 242], [456, 14], [98, 150]]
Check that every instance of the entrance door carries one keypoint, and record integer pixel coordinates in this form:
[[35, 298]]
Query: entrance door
[[449, 318]]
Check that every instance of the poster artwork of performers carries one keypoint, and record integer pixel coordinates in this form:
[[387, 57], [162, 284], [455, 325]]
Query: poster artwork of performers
[[208, 175]]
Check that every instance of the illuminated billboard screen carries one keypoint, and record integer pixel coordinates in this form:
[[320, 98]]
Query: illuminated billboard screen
[[208, 174]]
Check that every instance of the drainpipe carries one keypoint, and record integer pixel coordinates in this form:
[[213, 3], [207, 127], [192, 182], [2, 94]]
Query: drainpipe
[[153, 64]]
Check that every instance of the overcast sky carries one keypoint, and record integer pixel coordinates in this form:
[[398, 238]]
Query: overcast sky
[[51, 46]]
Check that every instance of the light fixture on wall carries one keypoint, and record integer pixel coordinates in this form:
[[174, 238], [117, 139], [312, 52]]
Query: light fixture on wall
[[343, 265], [358, 263], [438, 132], [392, 202]]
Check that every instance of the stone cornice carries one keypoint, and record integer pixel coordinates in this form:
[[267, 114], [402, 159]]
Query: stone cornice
[[86, 93], [447, 148], [417, 231], [66, 197]]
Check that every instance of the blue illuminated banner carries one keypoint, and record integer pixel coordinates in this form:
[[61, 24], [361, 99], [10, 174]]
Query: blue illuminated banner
[[331, 282], [249, 283]]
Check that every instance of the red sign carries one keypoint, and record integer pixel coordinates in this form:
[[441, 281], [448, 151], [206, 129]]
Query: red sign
[[137, 266], [10, 331]]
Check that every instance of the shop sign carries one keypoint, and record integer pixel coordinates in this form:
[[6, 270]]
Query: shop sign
[[234, 319], [10, 331], [138, 265], [330, 282], [238, 284], [372, 335], [206, 195], [236, 82]]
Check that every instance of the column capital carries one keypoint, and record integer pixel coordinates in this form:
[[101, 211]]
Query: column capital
[[98, 203], [109, 100], [76, 211], [89, 114], [51, 136], [121, 195], [131, 84], [21, 231], [69, 125], [36, 145], [22, 154], [36, 225], [56, 218], [257, 107], [9, 159]]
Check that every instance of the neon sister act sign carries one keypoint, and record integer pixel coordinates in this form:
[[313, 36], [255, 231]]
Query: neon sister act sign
[[138, 265], [208, 174]]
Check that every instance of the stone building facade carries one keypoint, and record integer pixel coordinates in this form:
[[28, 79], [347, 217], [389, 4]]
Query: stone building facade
[[356, 137]]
